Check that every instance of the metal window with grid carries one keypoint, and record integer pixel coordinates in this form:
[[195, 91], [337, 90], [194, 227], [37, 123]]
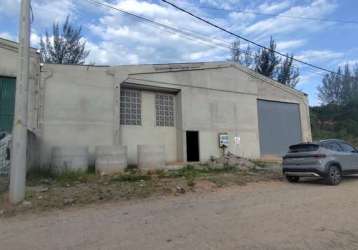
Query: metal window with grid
[[130, 107], [164, 106]]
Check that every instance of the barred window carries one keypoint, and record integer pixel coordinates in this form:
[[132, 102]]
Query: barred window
[[130, 107], [164, 106]]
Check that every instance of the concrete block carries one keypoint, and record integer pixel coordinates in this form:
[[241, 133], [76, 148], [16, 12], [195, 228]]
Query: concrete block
[[69, 158], [151, 157], [111, 159]]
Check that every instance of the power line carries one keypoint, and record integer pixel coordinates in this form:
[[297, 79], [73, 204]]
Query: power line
[[188, 34], [245, 39], [282, 15]]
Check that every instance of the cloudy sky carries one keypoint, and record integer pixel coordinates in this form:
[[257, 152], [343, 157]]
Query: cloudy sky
[[115, 38]]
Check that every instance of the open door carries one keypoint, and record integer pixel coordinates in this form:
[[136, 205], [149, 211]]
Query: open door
[[192, 146]]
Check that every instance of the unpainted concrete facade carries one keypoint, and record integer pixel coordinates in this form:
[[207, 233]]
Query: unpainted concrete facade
[[80, 105]]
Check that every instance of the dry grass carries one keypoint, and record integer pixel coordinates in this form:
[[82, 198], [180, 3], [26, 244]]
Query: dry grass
[[46, 192]]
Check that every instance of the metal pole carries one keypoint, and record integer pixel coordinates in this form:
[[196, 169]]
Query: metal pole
[[19, 140]]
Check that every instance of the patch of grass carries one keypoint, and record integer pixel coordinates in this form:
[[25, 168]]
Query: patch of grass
[[69, 177], [131, 177], [133, 183], [196, 171], [260, 163], [38, 175], [190, 180]]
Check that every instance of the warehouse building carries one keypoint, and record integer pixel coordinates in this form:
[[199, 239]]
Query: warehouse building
[[185, 108]]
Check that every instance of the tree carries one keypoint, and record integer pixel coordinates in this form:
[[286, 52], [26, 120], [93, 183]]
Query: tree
[[287, 74], [243, 57], [65, 46], [266, 60], [236, 52], [267, 63], [331, 89], [340, 87]]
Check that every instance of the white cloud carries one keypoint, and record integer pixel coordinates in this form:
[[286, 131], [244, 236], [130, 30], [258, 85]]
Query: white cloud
[[35, 39], [291, 44], [46, 12], [274, 7], [319, 55], [225, 4], [7, 36], [279, 25], [124, 40]]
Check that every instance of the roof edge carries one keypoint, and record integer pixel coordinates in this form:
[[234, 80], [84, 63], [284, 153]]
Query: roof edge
[[269, 80], [10, 44]]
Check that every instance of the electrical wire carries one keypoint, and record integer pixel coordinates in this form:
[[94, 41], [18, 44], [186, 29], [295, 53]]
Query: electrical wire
[[188, 34], [246, 39], [281, 15]]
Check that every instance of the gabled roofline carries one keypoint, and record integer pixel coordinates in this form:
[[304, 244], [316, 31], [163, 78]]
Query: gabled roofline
[[175, 67], [268, 80], [14, 46]]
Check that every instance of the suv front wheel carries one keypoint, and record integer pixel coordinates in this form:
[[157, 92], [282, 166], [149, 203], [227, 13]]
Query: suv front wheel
[[334, 176]]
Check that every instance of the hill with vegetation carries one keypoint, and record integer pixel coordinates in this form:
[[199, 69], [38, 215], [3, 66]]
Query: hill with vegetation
[[335, 121]]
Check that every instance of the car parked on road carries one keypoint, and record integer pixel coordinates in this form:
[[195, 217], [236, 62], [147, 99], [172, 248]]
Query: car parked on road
[[330, 159]]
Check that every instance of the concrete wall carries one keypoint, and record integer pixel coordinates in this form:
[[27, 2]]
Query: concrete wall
[[148, 133], [223, 89], [77, 106], [81, 107], [213, 101]]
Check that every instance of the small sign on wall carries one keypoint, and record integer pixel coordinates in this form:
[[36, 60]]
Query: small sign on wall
[[237, 140], [223, 140]]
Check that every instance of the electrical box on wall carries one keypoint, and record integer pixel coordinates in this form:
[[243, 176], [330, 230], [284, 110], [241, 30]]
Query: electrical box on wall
[[223, 140]]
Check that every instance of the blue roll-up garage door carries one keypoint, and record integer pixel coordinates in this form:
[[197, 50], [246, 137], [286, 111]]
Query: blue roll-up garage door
[[279, 126]]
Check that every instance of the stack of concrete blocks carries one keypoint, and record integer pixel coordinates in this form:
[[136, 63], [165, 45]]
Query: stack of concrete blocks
[[151, 157], [69, 158], [111, 159]]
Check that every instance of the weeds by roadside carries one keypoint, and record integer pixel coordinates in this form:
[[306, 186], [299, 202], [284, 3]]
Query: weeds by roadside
[[47, 191]]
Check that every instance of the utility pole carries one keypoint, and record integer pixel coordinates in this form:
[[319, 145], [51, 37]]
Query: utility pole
[[19, 139]]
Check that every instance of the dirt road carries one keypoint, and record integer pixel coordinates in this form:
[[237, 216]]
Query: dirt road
[[274, 215]]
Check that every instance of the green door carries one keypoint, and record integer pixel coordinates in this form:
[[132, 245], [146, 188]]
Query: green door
[[7, 102]]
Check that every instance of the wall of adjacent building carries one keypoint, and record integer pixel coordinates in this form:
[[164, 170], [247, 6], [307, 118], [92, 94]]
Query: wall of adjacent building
[[8, 68]]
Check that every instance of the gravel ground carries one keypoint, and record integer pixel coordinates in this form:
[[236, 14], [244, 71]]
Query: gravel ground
[[266, 215]]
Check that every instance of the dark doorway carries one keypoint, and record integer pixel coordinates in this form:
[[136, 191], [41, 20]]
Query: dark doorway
[[192, 146]]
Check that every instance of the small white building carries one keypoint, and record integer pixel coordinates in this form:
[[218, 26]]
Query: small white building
[[181, 106]]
